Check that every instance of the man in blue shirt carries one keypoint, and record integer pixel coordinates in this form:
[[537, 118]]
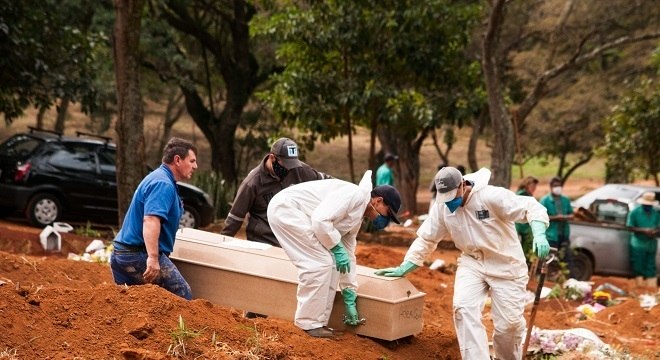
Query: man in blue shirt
[[146, 239]]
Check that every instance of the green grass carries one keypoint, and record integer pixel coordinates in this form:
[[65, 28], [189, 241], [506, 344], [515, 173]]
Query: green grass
[[543, 169], [180, 337]]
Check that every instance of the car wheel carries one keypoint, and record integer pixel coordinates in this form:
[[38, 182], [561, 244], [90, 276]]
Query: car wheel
[[583, 266], [189, 218], [43, 209]]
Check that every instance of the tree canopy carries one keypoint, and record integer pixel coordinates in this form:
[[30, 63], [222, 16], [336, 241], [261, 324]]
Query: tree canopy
[[396, 67], [49, 52]]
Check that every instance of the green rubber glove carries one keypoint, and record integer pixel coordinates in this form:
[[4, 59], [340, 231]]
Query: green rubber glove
[[341, 258], [350, 310], [540, 243], [400, 271]]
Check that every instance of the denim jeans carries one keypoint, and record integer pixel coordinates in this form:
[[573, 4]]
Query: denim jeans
[[128, 267]]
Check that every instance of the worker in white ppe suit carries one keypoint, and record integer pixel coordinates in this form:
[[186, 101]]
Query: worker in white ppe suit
[[480, 219], [316, 224]]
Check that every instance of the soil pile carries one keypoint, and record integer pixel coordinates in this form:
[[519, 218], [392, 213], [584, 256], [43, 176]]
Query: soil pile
[[53, 308]]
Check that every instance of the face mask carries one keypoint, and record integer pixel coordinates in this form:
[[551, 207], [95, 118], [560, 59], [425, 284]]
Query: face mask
[[279, 170], [381, 221], [556, 190], [452, 205]]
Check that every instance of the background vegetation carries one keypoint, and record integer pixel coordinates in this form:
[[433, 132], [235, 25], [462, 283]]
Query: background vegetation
[[518, 86]]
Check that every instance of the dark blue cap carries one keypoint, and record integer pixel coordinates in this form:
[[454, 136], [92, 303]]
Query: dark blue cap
[[391, 198]]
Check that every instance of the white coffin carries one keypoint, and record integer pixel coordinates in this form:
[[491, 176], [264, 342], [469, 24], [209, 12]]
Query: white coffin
[[262, 279]]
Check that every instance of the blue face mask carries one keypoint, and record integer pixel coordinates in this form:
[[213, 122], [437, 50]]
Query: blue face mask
[[452, 205], [381, 221]]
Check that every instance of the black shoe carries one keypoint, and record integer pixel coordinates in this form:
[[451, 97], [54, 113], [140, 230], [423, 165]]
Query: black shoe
[[251, 315], [321, 333]]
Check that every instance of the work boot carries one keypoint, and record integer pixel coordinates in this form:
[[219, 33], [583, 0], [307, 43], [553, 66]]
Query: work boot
[[321, 332]]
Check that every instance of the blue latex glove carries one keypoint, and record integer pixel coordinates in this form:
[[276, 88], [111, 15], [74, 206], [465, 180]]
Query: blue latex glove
[[540, 243], [400, 271], [341, 258], [350, 310]]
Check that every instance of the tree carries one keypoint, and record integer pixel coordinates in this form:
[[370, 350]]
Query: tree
[[216, 37], [631, 135], [590, 38], [130, 122], [393, 66], [48, 54]]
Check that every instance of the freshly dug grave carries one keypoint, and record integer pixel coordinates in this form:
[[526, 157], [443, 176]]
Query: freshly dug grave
[[53, 308]]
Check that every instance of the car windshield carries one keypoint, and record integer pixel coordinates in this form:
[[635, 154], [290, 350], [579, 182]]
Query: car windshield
[[607, 192], [19, 147], [610, 211]]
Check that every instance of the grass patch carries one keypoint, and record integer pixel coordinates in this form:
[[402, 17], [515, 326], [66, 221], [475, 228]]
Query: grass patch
[[9, 354], [254, 346], [180, 337], [546, 169], [87, 230]]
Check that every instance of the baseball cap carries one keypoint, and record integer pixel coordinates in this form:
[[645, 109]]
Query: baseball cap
[[286, 151], [391, 198], [447, 181]]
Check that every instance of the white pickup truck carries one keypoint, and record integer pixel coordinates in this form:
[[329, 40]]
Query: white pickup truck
[[599, 238]]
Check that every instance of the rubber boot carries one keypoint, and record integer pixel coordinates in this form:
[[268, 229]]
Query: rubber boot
[[639, 281]]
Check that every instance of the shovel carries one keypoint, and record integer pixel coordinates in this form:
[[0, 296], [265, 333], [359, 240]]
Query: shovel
[[544, 270]]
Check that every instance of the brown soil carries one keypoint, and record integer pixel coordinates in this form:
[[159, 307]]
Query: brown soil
[[53, 308]]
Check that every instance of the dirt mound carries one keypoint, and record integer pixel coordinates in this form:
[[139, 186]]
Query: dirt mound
[[53, 308]]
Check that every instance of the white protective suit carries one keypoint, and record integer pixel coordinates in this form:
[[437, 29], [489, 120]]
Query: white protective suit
[[491, 259], [308, 220]]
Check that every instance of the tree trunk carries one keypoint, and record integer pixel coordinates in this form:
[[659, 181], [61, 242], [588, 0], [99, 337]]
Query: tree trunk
[[503, 148], [477, 126], [407, 169], [173, 113], [240, 73], [130, 111], [62, 111], [40, 117]]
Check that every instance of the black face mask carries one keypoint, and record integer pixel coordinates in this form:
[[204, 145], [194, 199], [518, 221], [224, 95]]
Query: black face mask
[[279, 170]]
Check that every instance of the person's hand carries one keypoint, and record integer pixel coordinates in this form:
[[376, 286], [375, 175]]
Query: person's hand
[[153, 269], [399, 271], [540, 243], [341, 258], [350, 309]]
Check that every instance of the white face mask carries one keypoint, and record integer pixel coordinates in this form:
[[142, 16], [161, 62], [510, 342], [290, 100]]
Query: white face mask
[[556, 190]]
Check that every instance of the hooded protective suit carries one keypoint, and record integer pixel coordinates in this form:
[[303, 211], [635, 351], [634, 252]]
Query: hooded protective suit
[[308, 220], [491, 259]]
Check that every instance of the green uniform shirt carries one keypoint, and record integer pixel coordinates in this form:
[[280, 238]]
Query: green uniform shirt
[[642, 219], [557, 227], [384, 175], [523, 228]]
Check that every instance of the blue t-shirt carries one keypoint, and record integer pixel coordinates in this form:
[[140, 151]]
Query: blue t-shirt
[[156, 195]]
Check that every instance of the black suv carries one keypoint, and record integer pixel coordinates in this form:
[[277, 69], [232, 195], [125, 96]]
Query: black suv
[[49, 177]]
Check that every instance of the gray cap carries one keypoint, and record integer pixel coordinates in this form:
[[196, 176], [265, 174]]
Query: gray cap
[[447, 181], [286, 151]]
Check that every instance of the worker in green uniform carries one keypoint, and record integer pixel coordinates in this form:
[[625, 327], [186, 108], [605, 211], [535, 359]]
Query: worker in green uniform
[[526, 188], [560, 212], [643, 222]]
